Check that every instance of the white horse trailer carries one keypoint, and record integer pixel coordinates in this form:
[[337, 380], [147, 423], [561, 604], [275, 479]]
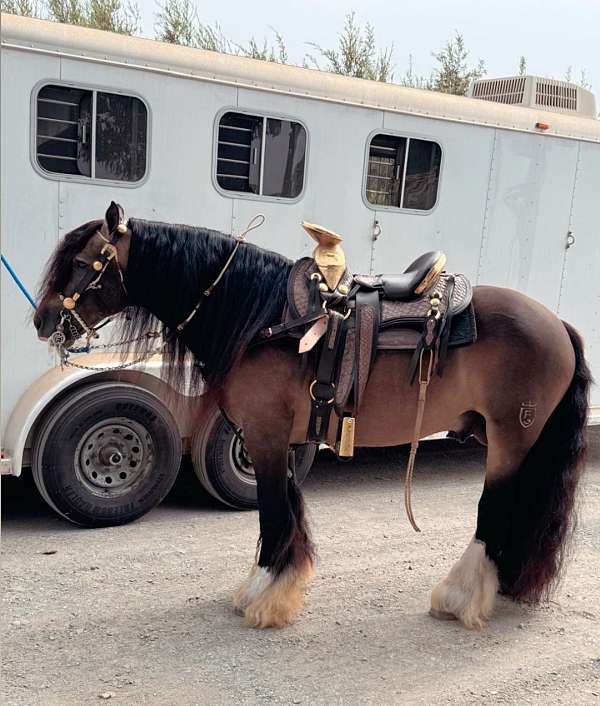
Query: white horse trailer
[[505, 181]]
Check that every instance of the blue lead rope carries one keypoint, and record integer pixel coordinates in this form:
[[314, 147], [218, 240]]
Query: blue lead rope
[[23, 288], [18, 282]]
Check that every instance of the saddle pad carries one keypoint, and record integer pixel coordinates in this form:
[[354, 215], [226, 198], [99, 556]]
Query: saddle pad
[[463, 330]]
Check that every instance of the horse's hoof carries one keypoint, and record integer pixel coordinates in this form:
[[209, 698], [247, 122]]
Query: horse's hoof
[[469, 590], [264, 616], [441, 614], [280, 602]]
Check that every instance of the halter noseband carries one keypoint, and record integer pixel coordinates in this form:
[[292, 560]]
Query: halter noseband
[[89, 279]]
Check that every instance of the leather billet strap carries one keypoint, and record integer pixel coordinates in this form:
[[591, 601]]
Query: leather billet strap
[[445, 327], [273, 332], [322, 389]]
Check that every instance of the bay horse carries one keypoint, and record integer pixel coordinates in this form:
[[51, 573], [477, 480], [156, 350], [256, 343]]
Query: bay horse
[[523, 354]]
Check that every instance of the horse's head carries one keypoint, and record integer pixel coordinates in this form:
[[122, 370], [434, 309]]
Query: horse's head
[[84, 283]]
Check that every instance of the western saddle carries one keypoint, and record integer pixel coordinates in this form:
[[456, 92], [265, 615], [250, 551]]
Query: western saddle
[[347, 318]]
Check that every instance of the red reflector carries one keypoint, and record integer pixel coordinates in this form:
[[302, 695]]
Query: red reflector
[[542, 126]]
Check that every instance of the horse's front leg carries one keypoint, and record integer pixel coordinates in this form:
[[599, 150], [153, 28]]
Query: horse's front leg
[[273, 593]]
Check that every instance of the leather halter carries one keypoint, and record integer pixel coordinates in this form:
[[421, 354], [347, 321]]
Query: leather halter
[[90, 277]]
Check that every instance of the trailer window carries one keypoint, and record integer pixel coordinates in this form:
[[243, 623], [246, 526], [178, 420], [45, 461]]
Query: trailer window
[[403, 172], [261, 155], [91, 133]]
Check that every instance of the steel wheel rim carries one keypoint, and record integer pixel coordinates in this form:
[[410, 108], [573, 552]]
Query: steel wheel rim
[[114, 456], [240, 460]]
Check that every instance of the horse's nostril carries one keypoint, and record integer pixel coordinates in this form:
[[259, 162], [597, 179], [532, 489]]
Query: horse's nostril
[[37, 321]]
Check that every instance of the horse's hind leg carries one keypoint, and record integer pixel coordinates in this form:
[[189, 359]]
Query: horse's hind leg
[[469, 591], [273, 593]]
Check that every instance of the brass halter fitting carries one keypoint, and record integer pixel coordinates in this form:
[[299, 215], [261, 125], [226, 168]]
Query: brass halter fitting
[[70, 302], [110, 249]]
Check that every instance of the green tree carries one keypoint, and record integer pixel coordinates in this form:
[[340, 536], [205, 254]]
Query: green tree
[[522, 66], [27, 8], [266, 52], [583, 82], [177, 22], [119, 16], [452, 74], [72, 12], [356, 55], [412, 80]]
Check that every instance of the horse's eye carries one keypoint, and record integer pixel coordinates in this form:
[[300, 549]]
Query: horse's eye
[[80, 263]]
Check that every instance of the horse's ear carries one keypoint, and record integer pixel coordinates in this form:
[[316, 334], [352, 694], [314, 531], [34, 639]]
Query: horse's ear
[[114, 215]]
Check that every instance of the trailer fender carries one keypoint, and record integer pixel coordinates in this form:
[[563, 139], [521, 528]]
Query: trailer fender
[[55, 382]]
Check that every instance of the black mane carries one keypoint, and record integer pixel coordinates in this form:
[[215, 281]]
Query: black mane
[[168, 270]]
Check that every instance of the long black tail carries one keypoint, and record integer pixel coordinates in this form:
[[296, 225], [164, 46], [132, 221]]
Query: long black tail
[[544, 514]]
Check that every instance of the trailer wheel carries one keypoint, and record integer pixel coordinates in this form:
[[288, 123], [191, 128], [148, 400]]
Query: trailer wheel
[[224, 467], [105, 454]]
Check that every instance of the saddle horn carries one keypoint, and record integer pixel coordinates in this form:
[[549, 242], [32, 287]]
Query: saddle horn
[[328, 254]]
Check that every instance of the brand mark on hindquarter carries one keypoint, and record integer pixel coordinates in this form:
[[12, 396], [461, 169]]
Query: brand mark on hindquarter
[[527, 414]]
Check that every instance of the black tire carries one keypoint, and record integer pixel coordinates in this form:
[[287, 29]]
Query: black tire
[[224, 468], [105, 454]]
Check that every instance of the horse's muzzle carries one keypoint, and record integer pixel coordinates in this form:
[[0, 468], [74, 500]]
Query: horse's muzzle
[[45, 321]]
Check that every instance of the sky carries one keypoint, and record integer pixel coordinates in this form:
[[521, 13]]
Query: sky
[[552, 35]]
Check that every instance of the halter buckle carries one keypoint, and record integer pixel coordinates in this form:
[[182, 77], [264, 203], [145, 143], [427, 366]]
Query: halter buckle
[[111, 249]]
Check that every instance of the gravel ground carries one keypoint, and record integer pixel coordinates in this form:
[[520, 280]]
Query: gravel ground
[[141, 614]]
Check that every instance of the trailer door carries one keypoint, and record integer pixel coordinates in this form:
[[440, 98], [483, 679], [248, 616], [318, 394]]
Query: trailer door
[[426, 183], [579, 302]]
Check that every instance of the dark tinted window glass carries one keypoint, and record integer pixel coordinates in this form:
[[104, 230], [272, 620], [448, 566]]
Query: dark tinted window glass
[[240, 150], [422, 174], [121, 128], [64, 133], [64, 130], [238, 154], [403, 172], [386, 169], [285, 149]]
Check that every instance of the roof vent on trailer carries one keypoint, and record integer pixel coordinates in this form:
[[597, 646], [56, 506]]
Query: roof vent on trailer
[[536, 92]]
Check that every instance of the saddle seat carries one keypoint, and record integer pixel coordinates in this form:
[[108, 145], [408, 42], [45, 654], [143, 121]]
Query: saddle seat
[[416, 279]]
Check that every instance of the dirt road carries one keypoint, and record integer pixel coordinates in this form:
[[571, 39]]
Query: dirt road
[[141, 614]]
